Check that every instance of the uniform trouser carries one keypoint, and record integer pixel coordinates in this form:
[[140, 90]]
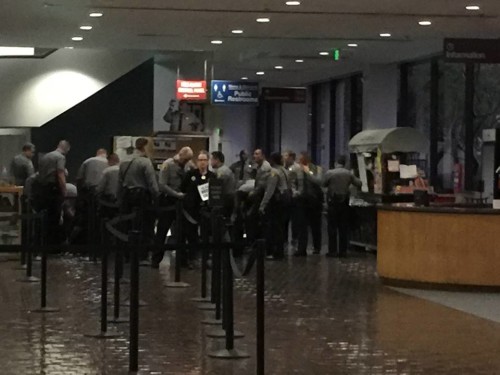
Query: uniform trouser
[[52, 200], [190, 235], [166, 220], [338, 227], [138, 200], [291, 220], [309, 216], [274, 222]]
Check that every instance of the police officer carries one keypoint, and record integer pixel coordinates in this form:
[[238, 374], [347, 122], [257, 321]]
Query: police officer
[[138, 188], [224, 173], [21, 167], [338, 182], [309, 201], [242, 169], [195, 187], [255, 197], [49, 188], [292, 169], [172, 174], [272, 207], [108, 186]]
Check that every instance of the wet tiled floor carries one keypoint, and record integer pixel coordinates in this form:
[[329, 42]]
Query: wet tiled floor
[[324, 316]]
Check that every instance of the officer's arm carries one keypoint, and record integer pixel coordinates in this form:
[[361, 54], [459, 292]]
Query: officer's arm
[[151, 179], [61, 175], [80, 175], [30, 169], [119, 188], [272, 183], [356, 182], [101, 187], [165, 183]]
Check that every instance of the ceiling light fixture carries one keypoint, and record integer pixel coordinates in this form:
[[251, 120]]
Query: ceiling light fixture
[[385, 35], [292, 3], [216, 42], [69, 47], [353, 45], [95, 14], [299, 61], [86, 28], [237, 31], [260, 73], [244, 78], [17, 51], [324, 53], [263, 20], [77, 38], [473, 7], [278, 67], [425, 23]]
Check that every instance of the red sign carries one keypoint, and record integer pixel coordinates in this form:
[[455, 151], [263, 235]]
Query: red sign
[[191, 90]]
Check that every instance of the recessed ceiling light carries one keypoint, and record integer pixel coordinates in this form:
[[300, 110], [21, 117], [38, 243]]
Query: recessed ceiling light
[[216, 42], [95, 14], [385, 35], [244, 78], [425, 23], [85, 27], [353, 45], [292, 3], [77, 38], [263, 20], [69, 47], [324, 53], [279, 67], [299, 61], [473, 7], [260, 73], [237, 31]]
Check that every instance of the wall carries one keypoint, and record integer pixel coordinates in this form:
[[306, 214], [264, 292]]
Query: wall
[[380, 96], [294, 127], [125, 107], [34, 91]]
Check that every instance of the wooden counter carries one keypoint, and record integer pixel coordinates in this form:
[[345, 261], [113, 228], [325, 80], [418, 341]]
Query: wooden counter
[[439, 246]]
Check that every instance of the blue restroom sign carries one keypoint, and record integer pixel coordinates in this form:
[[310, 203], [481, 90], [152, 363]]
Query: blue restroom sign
[[235, 92]]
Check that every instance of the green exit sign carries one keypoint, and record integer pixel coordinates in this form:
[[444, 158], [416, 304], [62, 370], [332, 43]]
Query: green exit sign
[[336, 54]]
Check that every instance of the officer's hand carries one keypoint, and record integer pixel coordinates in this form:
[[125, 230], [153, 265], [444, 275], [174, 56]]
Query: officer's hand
[[262, 211], [181, 195], [305, 168]]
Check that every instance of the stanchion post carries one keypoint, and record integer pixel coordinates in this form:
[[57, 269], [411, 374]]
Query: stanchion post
[[261, 251], [229, 352], [180, 252], [43, 286], [134, 303], [25, 230], [118, 272], [29, 278]]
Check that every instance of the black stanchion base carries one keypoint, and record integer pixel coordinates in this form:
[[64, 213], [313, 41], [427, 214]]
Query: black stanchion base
[[177, 285], [118, 320], [206, 307], [127, 303], [229, 354], [212, 322], [46, 310], [201, 299], [102, 335], [220, 333], [30, 279]]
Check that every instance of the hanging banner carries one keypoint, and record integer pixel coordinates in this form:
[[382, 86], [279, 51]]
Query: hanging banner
[[472, 50], [285, 94], [195, 91], [234, 92]]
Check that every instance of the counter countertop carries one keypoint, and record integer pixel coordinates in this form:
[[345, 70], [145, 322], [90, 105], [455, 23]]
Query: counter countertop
[[440, 209]]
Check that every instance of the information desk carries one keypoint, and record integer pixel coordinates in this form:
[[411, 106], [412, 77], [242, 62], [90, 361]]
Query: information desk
[[443, 247]]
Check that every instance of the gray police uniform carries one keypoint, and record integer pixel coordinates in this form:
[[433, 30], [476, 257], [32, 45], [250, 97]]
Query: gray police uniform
[[91, 171], [338, 182], [273, 207], [21, 168], [108, 185], [47, 194], [171, 177], [242, 171]]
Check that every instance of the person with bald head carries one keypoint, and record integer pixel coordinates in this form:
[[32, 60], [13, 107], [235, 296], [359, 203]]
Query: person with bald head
[[172, 174], [50, 188], [90, 172]]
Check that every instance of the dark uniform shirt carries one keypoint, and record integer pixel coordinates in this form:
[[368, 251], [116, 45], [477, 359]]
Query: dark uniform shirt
[[192, 200], [49, 165], [138, 174]]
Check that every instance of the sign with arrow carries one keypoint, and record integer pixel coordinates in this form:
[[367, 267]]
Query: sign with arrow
[[193, 91]]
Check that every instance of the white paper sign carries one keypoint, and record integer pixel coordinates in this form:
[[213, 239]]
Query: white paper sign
[[203, 191]]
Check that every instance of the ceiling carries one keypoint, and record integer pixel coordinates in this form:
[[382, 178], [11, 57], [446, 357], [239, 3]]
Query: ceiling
[[300, 32]]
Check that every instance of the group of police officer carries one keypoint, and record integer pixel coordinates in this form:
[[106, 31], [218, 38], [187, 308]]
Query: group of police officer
[[261, 197]]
